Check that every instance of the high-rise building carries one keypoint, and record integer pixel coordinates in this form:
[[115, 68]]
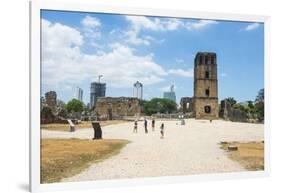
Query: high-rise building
[[171, 94], [205, 86], [79, 94], [97, 90], [138, 90]]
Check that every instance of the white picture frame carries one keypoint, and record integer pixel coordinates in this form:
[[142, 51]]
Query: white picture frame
[[36, 6]]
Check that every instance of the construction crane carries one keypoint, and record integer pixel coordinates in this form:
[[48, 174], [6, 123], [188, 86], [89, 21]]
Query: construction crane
[[100, 77]]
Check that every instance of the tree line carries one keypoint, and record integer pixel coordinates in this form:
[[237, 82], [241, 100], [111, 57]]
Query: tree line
[[254, 109]]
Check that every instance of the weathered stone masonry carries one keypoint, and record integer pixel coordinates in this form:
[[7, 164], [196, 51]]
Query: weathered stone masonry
[[117, 107], [205, 99]]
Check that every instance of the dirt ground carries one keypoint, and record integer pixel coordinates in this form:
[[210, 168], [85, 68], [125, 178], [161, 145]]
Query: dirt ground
[[250, 155], [82, 125], [193, 148], [62, 158]]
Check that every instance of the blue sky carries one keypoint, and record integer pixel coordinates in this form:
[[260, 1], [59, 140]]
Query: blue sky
[[157, 51]]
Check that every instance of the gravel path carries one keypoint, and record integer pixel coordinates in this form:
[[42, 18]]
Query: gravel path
[[189, 149]]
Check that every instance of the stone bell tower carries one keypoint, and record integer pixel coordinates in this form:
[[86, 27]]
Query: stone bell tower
[[205, 86]]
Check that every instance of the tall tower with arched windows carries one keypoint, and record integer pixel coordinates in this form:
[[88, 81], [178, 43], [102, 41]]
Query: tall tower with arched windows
[[205, 86]]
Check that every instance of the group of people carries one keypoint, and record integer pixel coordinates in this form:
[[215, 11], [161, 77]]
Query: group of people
[[152, 126]]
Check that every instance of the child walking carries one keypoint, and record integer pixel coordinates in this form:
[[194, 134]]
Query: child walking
[[153, 124], [135, 127], [162, 130], [145, 126]]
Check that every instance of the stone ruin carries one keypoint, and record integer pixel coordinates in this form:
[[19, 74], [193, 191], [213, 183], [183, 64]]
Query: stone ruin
[[50, 110], [186, 104], [109, 108], [227, 112], [205, 99], [47, 115], [51, 99]]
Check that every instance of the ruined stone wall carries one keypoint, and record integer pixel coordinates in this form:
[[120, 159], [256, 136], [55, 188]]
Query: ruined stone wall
[[117, 107], [51, 99], [229, 113], [47, 115], [186, 104]]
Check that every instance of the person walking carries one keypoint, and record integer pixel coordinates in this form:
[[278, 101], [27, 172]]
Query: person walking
[[145, 126], [162, 130], [135, 127], [153, 124]]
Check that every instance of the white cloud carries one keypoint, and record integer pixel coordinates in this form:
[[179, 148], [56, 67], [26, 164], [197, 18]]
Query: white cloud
[[139, 23], [167, 24], [89, 21], [154, 24], [200, 24], [122, 67], [96, 45], [91, 29], [62, 34], [133, 38], [60, 49], [179, 60], [64, 64], [183, 73], [251, 26]]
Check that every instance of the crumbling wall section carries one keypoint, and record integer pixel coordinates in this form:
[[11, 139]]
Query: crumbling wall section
[[229, 113]]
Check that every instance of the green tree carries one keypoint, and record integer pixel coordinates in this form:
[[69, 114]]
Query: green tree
[[260, 96], [74, 105], [251, 107], [231, 101], [251, 104], [260, 110], [160, 105], [259, 105], [241, 107], [60, 104]]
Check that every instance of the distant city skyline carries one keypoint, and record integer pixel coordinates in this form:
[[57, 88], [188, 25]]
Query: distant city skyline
[[170, 94], [98, 89], [79, 94], [156, 51], [138, 90]]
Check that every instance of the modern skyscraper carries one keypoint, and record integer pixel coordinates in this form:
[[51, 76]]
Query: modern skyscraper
[[79, 94], [171, 94], [97, 90], [138, 90]]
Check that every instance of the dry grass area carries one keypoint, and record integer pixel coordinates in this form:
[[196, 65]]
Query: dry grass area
[[249, 155], [61, 158], [82, 125]]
